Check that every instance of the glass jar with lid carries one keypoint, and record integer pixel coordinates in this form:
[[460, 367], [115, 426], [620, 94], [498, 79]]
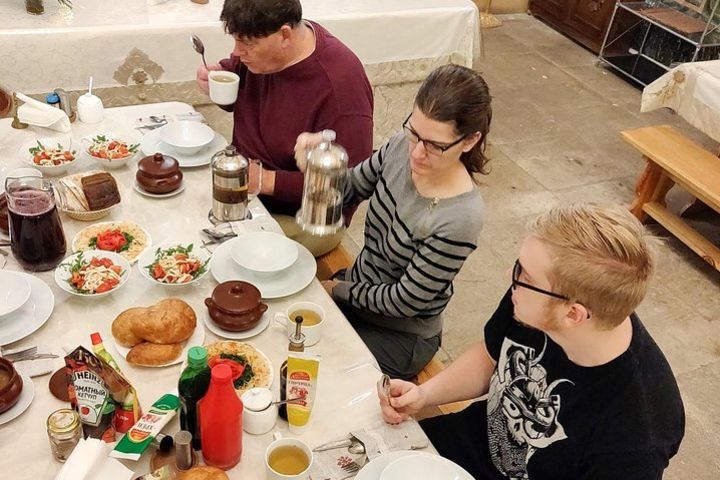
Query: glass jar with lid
[[64, 432]]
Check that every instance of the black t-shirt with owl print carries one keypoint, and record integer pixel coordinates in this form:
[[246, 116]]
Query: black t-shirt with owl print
[[548, 418]]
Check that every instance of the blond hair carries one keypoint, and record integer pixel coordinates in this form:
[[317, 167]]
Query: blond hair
[[602, 257]]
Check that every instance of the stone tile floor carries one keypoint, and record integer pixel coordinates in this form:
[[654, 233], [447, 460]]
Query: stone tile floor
[[554, 139]]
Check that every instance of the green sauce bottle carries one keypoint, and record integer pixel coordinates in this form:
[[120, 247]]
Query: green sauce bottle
[[192, 386]]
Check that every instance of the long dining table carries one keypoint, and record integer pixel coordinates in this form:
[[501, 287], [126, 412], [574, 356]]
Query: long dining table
[[346, 397]]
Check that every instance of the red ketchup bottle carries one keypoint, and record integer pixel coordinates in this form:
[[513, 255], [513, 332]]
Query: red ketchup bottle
[[220, 416]]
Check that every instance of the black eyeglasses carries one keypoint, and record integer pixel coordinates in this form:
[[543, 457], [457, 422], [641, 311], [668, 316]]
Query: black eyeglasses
[[517, 270], [431, 147]]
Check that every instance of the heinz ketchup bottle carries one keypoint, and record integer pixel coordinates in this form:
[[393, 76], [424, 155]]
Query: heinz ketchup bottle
[[220, 415]]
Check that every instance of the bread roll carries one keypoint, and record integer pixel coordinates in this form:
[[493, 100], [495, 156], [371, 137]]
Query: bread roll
[[153, 354], [122, 327], [203, 473], [168, 321]]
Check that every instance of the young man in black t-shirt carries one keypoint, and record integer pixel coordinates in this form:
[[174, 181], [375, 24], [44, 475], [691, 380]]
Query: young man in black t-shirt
[[577, 388]]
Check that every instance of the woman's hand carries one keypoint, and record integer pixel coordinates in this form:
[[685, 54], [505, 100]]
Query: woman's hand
[[201, 77], [305, 142], [405, 399]]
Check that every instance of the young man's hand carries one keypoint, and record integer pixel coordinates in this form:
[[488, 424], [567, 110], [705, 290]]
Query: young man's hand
[[201, 77], [405, 399]]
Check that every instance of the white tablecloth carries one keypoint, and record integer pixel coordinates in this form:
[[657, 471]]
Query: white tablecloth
[[63, 47], [692, 90], [346, 392]]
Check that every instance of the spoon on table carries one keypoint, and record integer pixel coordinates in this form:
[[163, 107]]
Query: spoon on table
[[199, 47], [353, 445], [278, 402]]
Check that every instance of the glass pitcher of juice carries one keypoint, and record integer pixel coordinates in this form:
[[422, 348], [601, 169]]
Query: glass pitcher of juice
[[37, 238]]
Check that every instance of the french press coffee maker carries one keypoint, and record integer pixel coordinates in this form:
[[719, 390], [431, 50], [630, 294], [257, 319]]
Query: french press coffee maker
[[325, 176], [230, 178]]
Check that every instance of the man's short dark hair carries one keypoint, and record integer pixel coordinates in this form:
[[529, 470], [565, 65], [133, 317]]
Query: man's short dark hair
[[259, 18]]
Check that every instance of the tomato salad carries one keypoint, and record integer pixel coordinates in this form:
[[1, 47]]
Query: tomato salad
[[113, 240], [176, 265], [97, 275], [50, 157], [103, 147]]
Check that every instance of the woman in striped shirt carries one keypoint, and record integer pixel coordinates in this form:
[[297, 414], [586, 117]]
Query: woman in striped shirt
[[423, 220]]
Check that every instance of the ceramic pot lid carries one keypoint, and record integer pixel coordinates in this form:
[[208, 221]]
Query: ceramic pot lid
[[236, 297], [159, 166]]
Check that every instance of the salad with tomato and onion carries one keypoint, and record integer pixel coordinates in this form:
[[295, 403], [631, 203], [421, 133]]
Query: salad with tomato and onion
[[112, 239], [48, 156], [110, 148], [97, 275], [176, 265], [242, 371]]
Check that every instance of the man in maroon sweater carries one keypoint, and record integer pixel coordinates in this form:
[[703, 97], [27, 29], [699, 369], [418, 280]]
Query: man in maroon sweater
[[294, 77]]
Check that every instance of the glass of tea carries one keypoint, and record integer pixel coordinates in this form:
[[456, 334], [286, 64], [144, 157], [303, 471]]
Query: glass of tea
[[37, 238]]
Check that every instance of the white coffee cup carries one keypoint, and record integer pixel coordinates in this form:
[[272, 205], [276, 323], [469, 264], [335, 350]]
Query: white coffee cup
[[312, 332], [223, 92], [278, 441]]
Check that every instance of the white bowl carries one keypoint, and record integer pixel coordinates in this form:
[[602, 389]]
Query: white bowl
[[53, 170], [148, 258], [264, 252], [186, 137], [62, 272], [109, 163], [14, 291], [421, 467]]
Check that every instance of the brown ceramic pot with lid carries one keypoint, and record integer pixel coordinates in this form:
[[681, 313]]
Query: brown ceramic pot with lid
[[11, 385], [159, 174], [235, 306]]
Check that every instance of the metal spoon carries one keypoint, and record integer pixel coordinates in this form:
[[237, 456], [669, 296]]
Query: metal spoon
[[199, 47], [354, 446]]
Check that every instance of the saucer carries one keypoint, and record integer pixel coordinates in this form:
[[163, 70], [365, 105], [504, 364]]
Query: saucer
[[374, 469], [289, 281], [26, 397], [256, 330], [145, 193], [151, 144], [31, 316]]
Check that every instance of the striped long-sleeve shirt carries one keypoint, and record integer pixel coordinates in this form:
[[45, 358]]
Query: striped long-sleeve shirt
[[414, 246]]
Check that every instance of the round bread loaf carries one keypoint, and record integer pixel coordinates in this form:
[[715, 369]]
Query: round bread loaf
[[203, 473], [169, 321], [153, 354], [122, 327]]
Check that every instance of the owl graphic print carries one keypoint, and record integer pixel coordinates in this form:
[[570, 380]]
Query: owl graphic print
[[522, 410]]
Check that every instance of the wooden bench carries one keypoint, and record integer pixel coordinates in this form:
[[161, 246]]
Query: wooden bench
[[674, 159], [340, 258]]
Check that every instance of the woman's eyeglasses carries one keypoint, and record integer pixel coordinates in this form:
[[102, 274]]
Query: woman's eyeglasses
[[517, 270], [431, 147]]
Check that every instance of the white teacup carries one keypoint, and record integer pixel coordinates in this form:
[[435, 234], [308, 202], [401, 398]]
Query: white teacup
[[311, 331], [290, 447], [223, 87]]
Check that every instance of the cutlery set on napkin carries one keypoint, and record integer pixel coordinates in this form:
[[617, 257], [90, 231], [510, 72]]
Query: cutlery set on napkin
[[344, 458]]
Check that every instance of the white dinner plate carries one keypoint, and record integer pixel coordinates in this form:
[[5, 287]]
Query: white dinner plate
[[256, 330], [373, 469], [151, 144], [145, 193], [26, 398], [196, 339], [31, 316], [289, 281]]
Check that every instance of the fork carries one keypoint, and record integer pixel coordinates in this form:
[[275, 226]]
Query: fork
[[352, 467]]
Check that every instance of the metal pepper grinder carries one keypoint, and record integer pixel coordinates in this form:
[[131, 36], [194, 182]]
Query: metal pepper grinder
[[325, 176]]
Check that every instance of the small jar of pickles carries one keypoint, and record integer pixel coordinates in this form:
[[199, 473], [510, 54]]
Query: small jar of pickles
[[64, 431]]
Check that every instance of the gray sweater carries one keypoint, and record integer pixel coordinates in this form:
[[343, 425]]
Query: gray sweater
[[414, 246]]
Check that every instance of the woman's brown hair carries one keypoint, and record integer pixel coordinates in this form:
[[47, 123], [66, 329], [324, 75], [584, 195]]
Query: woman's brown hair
[[457, 94]]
